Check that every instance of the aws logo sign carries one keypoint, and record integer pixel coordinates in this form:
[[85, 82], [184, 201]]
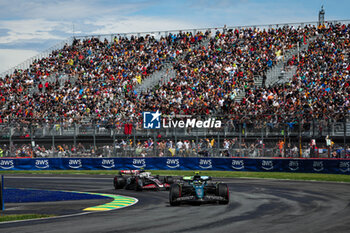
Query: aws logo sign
[[267, 165], [139, 163], [293, 165], [173, 163], [6, 164], [75, 163], [108, 163], [205, 163], [344, 166], [237, 164], [42, 163], [317, 166]]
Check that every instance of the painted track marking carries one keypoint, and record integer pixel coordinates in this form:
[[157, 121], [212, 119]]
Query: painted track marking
[[88, 210], [117, 203]]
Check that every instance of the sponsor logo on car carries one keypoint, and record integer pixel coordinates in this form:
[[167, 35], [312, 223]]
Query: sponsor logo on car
[[238, 164], [344, 166], [7, 164], [108, 163], [267, 164], [205, 163], [42, 163], [317, 166], [139, 163], [75, 163], [293, 165], [173, 163]]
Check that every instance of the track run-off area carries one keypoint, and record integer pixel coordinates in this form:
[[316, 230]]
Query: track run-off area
[[256, 205]]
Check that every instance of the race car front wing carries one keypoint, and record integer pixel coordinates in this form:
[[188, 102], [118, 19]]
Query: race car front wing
[[206, 198]]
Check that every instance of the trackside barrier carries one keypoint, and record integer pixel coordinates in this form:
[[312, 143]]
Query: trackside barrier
[[2, 204], [335, 166]]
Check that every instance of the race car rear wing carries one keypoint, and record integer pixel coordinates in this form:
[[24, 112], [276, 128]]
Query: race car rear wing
[[129, 172]]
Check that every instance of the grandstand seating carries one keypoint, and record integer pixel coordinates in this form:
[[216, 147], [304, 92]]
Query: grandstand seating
[[209, 78], [113, 82], [207, 81], [100, 73], [319, 89]]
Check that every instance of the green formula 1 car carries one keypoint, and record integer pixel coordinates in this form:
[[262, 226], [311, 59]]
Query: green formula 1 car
[[198, 189]]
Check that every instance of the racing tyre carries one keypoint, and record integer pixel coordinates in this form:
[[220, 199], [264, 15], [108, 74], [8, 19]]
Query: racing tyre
[[222, 191], [175, 192], [169, 180], [119, 182], [138, 184]]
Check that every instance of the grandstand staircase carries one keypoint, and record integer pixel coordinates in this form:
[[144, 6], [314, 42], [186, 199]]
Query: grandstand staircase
[[279, 73], [160, 77], [285, 75], [165, 74], [240, 96]]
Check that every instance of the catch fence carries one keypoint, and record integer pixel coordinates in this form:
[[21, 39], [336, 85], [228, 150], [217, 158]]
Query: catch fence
[[242, 136]]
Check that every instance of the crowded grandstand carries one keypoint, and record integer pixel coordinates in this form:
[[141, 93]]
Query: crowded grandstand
[[279, 91]]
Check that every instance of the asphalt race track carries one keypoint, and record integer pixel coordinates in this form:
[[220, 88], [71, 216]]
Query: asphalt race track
[[255, 206]]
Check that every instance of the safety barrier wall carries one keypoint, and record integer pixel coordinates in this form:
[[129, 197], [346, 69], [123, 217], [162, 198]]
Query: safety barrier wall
[[336, 166]]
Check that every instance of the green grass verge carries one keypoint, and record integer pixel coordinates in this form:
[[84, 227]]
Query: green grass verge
[[232, 174], [16, 217]]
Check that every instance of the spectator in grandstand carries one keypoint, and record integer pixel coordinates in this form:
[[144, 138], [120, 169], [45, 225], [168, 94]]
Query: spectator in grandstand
[[179, 147], [40, 87], [347, 152]]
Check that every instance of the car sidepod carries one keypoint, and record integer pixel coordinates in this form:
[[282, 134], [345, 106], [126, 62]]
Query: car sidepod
[[139, 182]]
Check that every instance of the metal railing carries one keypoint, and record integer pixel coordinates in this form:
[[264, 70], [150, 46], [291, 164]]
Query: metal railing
[[246, 138]]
